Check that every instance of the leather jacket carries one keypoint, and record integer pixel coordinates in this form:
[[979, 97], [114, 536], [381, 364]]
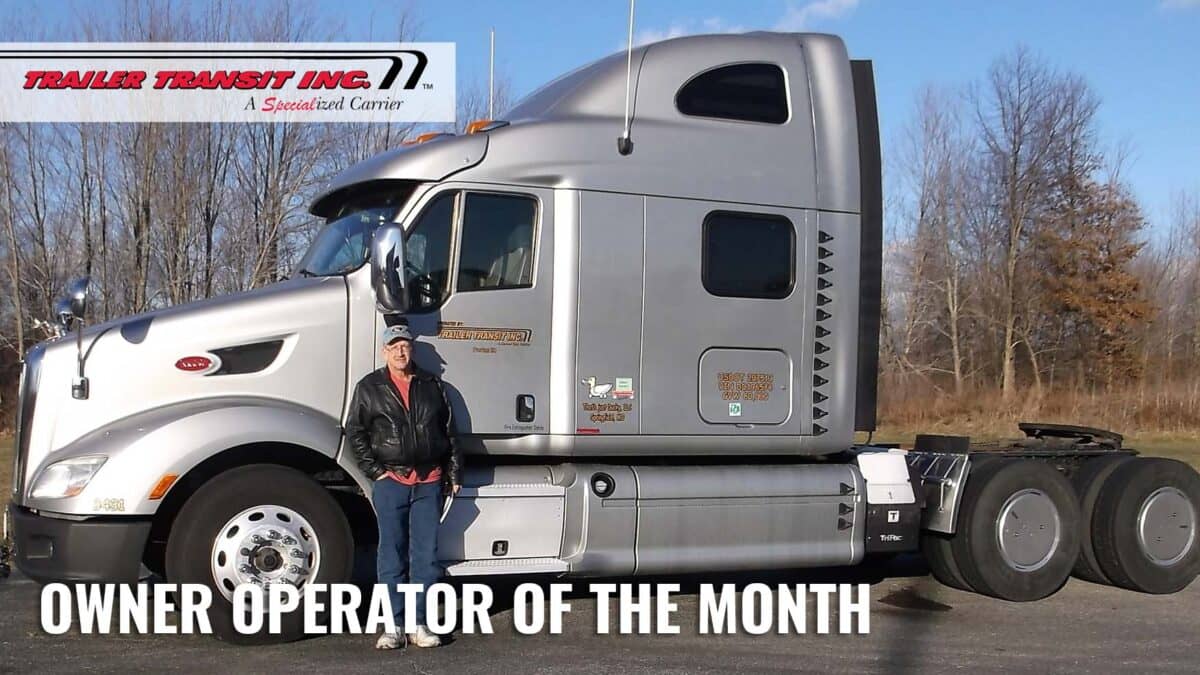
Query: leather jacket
[[385, 436]]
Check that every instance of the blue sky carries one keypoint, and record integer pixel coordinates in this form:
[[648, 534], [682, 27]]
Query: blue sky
[[1141, 56]]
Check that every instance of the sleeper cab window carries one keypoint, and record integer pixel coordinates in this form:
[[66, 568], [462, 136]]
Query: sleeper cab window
[[747, 92], [497, 242], [748, 255]]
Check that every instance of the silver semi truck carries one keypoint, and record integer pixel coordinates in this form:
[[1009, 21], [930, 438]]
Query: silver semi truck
[[658, 351]]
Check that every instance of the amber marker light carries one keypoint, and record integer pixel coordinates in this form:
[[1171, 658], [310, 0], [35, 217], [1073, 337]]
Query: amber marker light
[[485, 125], [425, 137], [477, 125], [163, 484]]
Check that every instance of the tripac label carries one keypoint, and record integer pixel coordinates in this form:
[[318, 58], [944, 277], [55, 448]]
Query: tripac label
[[227, 82]]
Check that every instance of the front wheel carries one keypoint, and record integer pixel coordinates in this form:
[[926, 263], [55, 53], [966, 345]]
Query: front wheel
[[261, 524]]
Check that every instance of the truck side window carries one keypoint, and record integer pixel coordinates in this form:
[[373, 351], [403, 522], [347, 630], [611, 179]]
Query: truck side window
[[748, 255], [497, 242], [427, 250], [749, 92]]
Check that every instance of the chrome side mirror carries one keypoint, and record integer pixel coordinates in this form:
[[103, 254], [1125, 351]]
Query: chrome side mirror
[[77, 294], [64, 316], [69, 313], [387, 269]]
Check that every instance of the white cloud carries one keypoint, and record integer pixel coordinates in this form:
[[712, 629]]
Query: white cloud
[[796, 18], [648, 35], [713, 24], [801, 17]]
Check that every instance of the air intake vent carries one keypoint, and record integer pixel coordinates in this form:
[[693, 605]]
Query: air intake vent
[[247, 358]]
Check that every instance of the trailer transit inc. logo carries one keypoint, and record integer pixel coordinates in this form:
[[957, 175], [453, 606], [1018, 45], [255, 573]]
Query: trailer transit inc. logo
[[227, 82]]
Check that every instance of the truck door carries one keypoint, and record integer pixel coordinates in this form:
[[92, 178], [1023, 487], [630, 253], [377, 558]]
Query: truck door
[[481, 303]]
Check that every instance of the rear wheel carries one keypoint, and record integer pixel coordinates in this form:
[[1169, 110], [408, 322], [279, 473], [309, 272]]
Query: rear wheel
[[263, 525], [1087, 482], [1145, 526], [937, 548], [1018, 530], [939, 555]]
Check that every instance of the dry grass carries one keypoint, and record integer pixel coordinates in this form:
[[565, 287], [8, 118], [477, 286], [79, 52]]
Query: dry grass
[[6, 467], [1158, 420], [1182, 446], [1161, 411]]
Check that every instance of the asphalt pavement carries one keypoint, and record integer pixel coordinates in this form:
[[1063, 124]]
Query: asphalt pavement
[[917, 625]]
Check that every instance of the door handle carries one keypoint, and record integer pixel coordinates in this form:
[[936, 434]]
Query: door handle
[[525, 407]]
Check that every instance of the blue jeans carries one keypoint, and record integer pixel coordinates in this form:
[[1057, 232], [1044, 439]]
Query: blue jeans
[[408, 523]]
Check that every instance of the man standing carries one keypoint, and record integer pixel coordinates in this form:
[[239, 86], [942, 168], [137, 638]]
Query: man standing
[[401, 431]]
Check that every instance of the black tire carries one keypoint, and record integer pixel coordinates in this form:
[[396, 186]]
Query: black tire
[[191, 543], [1087, 481], [977, 544], [1116, 525], [936, 548]]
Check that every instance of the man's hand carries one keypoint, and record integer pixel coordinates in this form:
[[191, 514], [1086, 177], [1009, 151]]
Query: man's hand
[[455, 488]]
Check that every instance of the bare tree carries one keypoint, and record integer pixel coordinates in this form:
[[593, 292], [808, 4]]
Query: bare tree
[[1019, 119]]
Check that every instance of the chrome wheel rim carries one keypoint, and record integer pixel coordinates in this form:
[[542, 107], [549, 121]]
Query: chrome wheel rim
[[1166, 526], [1029, 529], [265, 545]]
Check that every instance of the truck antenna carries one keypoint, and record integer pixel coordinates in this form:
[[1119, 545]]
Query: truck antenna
[[492, 77], [625, 143]]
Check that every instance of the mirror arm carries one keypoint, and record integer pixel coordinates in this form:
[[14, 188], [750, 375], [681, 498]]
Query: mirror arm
[[79, 388], [76, 303]]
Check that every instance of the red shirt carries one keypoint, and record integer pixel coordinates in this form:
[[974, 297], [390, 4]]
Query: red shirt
[[409, 478]]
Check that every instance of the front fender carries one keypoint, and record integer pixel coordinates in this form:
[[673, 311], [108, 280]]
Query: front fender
[[142, 448]]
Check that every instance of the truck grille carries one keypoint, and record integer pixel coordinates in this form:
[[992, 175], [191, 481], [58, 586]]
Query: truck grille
[[26, 400]]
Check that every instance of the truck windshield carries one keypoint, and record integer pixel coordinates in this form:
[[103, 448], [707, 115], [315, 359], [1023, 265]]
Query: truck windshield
[[342, 245]]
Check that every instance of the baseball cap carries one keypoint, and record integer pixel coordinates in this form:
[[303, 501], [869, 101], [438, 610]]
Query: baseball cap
[[393, 333]]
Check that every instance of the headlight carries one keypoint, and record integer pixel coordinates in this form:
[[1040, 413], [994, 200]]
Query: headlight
[[66, 478]]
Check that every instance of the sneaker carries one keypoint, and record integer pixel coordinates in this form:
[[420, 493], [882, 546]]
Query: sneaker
[[390, 641], [423, 638]]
